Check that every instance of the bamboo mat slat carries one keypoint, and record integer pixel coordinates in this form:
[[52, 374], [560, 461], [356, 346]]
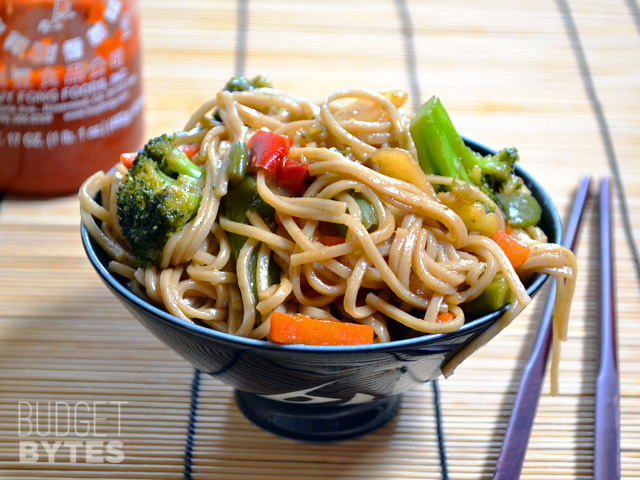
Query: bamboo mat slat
[[559, 80]]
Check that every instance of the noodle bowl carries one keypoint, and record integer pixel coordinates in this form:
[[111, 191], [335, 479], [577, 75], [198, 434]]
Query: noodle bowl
[[418, 262]]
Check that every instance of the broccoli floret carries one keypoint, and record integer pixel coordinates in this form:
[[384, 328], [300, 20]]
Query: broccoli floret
[[159, 195], [170, 159], [494, 173], [441, 151], [238, 83]]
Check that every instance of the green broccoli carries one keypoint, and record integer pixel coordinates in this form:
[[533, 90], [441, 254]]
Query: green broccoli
[[159, 195], [493, 173], [238, 83], [441, 151]]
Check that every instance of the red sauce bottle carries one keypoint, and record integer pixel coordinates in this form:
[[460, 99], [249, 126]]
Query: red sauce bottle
[[70, 91]]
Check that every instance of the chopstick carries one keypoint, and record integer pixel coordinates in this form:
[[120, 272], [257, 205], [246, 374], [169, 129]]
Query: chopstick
[[607, 423], [514, 448]]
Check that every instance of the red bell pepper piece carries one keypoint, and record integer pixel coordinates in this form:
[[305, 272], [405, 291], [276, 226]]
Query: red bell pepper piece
[[330, 240], [268, 150], [293, 175]]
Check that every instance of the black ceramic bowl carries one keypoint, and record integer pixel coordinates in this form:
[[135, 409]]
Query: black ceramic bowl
[[307, 392]]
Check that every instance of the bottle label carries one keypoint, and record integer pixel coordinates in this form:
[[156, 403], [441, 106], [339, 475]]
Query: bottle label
[[68, 80]]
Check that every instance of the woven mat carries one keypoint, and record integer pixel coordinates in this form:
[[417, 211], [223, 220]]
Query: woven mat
[[559, 80]]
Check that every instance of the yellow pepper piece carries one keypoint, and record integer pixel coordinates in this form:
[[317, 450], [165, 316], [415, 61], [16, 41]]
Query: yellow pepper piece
[[399, 164]]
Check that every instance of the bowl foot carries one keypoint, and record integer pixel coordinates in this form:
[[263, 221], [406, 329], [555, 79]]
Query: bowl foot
[[317, 423]]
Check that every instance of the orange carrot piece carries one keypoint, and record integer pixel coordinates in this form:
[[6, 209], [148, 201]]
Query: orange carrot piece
[[508, 228], [516, 252], [190, 149], [444, 317], [128, 158], [297, 329]]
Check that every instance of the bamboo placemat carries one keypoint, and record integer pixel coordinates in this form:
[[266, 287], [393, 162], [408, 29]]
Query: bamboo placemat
[[559, 80]]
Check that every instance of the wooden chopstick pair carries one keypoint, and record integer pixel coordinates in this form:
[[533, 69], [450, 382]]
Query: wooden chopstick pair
[[607, 421]]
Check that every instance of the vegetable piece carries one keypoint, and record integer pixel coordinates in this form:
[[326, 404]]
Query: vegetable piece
[[495, 296], [476, 215], [521, 209], [330, 240], [498, 293], [190, 149], [238, 162], [444, 317], [508, 229], [292, 175], [516, 252], [273, 274], [238, 200], [368, 213], [442, 151], [171, 159], [238, 83], [260, 82], [440, 148], [368, 216], [128, 158], [398, 163], [159, 195], [494, 173], [296, 329], [268, 150], [397, 97]]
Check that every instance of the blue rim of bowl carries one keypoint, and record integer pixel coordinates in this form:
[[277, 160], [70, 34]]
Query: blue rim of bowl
[[421, 341]]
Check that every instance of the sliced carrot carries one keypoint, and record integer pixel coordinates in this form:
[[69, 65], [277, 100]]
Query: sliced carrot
[[508, 228], [444, 317], [516, 252], [297, 329], [128, 158], [190, 149], [330, 240]]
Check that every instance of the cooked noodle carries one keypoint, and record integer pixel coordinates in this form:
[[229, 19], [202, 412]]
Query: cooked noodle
[[419, 262]]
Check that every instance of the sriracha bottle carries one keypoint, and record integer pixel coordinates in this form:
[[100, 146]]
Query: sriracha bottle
[[70, 91]]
